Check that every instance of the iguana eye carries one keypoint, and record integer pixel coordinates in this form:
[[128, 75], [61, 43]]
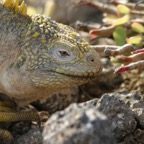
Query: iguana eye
[[63, 53]]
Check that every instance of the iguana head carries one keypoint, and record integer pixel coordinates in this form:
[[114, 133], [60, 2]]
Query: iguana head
[[54, 55], [57, 56]]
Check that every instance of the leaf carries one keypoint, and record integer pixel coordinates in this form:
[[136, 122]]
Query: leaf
[[120, 35], [104, 31], [109, 19], [137, 40], [137, 27], [122, 9], [123, 20]]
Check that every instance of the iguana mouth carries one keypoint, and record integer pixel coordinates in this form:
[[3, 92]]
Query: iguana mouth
[[85, 75]]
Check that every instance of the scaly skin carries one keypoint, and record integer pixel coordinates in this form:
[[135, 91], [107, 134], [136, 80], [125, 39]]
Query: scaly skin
[[38, 57]]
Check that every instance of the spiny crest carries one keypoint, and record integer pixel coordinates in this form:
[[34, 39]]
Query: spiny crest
[[14, 4]]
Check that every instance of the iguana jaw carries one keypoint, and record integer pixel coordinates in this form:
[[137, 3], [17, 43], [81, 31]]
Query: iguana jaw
[[57, 80], [80, 75]]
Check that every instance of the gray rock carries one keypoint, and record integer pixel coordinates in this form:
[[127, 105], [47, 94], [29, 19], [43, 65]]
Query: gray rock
[[122, 118], [33, 136], [78, 124], [139, 136], [84, 124]]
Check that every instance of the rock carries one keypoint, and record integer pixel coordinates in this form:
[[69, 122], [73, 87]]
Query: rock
[[122, 118], [84, 123], [33, 136], [139, 136], [139, 114], [59, 100], [78, 124], [129, 98]]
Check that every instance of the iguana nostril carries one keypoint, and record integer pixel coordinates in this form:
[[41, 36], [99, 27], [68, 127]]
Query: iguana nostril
[[91, 59]]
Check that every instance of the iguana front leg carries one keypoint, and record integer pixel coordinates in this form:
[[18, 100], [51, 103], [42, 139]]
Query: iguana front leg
[[8, 113]]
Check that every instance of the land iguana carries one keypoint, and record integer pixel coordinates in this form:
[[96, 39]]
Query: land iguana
[[38, 57]]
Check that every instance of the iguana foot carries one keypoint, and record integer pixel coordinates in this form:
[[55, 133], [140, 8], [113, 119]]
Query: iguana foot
[[8, 113]]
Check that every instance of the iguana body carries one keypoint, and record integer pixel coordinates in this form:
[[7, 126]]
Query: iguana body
[[39, 56]]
